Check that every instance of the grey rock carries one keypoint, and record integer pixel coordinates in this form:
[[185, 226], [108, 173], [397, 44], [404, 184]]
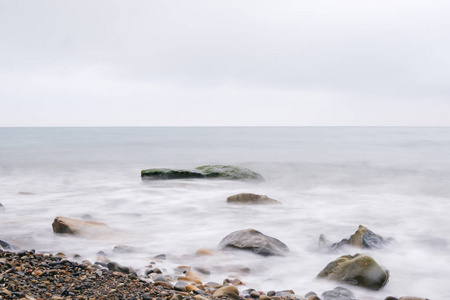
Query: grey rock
[[8, 246], [180, 286], [360, 270], [122, 249], [113, 266], [2, 208], [363, 238], [209, 172], [248, 198], [338, 293], [254, 241]]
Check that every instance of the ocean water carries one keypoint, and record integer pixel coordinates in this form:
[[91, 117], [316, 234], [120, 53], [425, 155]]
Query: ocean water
[[395, 181]]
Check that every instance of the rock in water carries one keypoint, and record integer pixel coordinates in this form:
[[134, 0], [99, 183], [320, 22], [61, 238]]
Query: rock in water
[[8, 246], [227, 291], [247, 198], [229, 172], [212, 171], [338, 293], [363, 238], [88, 229], [2, 208], [255, 241], [360, 270]]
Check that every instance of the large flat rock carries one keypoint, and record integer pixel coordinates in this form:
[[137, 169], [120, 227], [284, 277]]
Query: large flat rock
[[82, 228], [204, 172], [254, 241]]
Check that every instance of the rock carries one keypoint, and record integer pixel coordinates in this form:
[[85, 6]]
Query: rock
[[121, 249], [113, 266], [363, 238], [2, 208], [390, 298], [255, 241], [248, 198], [88, 229], [412, 298], [204, 252], [8, 246], [227, 291], [360, 270], [180, 286], [338, 293], [210, 171]]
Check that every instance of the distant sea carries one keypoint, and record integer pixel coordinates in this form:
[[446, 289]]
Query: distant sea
[[394, 180]]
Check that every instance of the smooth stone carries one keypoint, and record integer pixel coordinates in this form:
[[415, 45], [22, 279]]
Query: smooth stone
[[227, 291], [264, 297], [391, 298], [360, 270], [198, 297], [160, 278], [254, 241], [210, 171], [191, 288], [313, 297], [338, 293], [202, 270], [271, 293], [307, 295], [164, 284], [255, 294], [248, 198], [286, 293], [88, 229], [213, 285], [180, 286]]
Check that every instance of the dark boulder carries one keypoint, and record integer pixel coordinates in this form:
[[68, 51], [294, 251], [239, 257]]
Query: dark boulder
[[248, 198], [209, 172], [254, 241], [360, 270]]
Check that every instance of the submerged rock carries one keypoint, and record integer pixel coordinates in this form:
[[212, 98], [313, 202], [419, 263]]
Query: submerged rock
[[254, 241], [363, 238], [338, 293], [248, 198], [88, 229], [2, 208], [210, 171], [360, 270], [8, 246]]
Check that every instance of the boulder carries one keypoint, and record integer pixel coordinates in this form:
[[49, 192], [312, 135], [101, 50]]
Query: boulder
[[360, 270], [254, 241], [338, 293], [88, 229], [248, 198], [210, 171], [363, 238], [412, 298]]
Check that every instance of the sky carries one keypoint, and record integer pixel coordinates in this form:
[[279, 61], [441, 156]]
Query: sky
[[224, 63]]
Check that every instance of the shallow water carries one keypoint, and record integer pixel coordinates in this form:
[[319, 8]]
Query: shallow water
[[330, 180]]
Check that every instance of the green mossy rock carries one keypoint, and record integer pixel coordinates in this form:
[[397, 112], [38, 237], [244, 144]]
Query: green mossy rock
[[360, 270], [210, 171]]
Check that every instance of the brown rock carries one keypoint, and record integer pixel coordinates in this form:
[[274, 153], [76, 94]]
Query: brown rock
[[360, 270], [204, 252], [412, 298], [227, 291], [88, 229], [248, 198]]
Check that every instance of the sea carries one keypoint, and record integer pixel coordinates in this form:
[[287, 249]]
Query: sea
[[393, 180]]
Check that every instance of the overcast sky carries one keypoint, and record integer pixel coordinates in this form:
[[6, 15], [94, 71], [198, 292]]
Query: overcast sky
[[196, 63]]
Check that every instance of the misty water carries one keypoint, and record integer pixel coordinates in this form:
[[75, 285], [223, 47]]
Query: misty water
[[393, 180]]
